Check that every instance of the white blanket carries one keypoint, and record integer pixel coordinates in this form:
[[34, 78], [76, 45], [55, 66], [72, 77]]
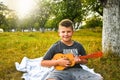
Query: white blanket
[[34, 71]]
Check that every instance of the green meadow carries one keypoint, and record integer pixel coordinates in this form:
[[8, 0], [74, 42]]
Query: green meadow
[[16, 45]]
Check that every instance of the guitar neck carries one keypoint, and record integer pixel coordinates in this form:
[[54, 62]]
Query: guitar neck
[[93, 55]]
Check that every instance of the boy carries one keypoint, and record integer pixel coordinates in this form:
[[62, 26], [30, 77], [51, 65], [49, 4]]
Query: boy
[[64, 46]]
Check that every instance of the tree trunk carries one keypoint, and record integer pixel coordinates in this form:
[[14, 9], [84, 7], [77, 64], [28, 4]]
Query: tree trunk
[[111, 27]]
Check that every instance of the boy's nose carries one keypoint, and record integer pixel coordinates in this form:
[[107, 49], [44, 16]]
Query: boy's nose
[[66, 33]]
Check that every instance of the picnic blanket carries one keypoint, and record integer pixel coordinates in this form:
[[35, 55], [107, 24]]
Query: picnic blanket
[[32, 70]]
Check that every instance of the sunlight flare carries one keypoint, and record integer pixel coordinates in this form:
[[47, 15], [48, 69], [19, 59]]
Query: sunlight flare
[[24, 7]]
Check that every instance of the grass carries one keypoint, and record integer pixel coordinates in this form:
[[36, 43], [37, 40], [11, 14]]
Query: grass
[[14, 46]]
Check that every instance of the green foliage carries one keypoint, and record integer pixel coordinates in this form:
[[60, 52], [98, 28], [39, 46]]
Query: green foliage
[[43, 12], [2, 20], [36, 26], [2, 17], [8, 18], [40, 17], [52, 23], [92, 6], [93, 22], [68, 9]]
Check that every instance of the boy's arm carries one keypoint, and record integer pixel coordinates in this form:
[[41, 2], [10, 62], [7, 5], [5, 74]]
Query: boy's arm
[[59, 62], [49, 63]]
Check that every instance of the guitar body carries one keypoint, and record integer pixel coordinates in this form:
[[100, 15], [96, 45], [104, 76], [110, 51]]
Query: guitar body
[[68, 56], [71, 58]]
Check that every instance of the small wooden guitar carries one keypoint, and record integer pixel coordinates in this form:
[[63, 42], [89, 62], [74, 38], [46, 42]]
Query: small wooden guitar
[[71, 58]]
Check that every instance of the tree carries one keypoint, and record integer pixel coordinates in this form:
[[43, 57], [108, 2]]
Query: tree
[[93, 22], [42, 13], [111, 26], [3, 22], [8, 18], [70, 9], [92, 6]]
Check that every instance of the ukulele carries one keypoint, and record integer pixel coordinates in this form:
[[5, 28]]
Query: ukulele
[[70, 57]]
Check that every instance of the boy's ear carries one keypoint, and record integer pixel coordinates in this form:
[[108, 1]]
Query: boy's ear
[[73, 31]]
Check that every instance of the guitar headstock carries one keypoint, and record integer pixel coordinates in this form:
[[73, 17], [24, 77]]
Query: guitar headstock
[[97, 54]]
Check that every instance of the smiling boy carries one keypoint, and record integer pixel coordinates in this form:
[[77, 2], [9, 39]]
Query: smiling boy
[[66, 45]]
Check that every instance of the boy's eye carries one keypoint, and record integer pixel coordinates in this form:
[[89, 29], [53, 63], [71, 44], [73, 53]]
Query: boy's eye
[[68, 31], [63, 31]]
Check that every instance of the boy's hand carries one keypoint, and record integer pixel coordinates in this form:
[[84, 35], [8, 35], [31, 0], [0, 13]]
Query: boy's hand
[[77, 59], [80, 61], [64, 62]]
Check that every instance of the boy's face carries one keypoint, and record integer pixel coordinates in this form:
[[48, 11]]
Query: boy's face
[[65, 33]]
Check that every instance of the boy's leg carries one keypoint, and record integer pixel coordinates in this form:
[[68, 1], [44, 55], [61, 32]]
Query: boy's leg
[[60, 75], [82, 74]]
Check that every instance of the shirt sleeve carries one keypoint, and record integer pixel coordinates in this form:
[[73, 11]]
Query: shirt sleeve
[[50, 53], [81, 50]]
